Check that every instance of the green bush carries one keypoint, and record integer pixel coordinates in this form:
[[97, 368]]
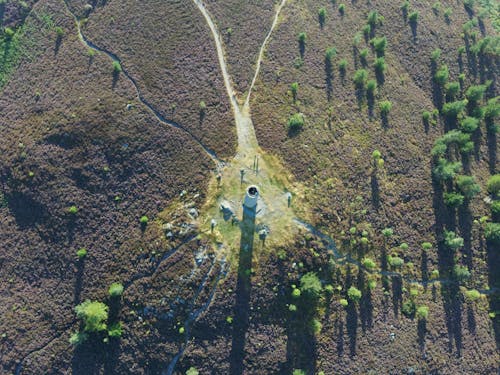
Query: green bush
[[354, 294], [413, 17], [476, 93], [315, 326], [492, 232], [73, 210], [115, 330], [453, 241], [294, 88], [360, 77], [342, 9], [426, 116], [81, 253], [385, 107], [343, 302], [472, 295], [117, 68], [404, 246], [453, 109], [144, 220], [395, 261], [363, 54], [435, 55], [492, 109], [367, 29], [371, 87], [495, 208], [310, 285], [469, 124], [59, 31], [343, 65], [192, 371], [93, 314], [295, 293], [369, 263], [372, 18], [461, 273], [116, 290], [422, 312], [447, 14], [408, 308], [452, 89], [426, 246], [379, 44], [380, 65], [442, 75], [468, 186], [322, 15], [446, 170], [453, 200], [78, 338], [296, 122], [387, 232], [302, 37], [330, 53], [493, 185]]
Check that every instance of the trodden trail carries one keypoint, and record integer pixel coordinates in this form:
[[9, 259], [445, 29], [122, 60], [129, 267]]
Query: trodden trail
[[247, 141]]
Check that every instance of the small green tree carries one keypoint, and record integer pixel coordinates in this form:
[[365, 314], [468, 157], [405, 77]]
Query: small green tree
[[422, 312], [413, 17], [322, 16], [117, 68], [492, 233], [116, 290], [385, 107], [453, 200], [360, 77], [493, 185], [294, 88], [468, 186], [469, 124], [93, 314], [296, 122], [342, 9], [354, 294], [453, 241], [380, 65], [435, 55], [442, 75], [310, 285], [379, 44]]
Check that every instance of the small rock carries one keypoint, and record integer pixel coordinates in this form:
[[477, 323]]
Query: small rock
[[193, 212]]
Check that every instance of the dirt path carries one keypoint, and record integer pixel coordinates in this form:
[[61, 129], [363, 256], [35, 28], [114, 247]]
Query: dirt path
[[247, 141]]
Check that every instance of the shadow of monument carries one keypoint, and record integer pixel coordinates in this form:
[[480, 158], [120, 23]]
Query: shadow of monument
[[243, 290]]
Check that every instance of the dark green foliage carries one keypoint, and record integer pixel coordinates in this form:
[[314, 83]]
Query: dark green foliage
[[461, 273], [453, 109], [343, 66], [302, 37], [452, 89], [442, 75], [379, 44], [453, 241], [310, 286], [371, 87], [453, 200], [93, 314], [469, 124], [295, 122], [446, 170], [492, 109], [294, 88], [435, 55], [493, 185], [413, 17], [492, 233], [322, 16], [360, 78], [408, 308], [468, 186], [475, 93], [380, 65]]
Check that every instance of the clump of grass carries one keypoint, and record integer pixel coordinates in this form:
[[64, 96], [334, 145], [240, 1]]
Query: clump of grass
[[115, 290], [117, 68]]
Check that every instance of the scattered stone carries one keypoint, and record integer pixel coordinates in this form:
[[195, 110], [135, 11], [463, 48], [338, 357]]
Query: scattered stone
[[193, 212], [129, 107]]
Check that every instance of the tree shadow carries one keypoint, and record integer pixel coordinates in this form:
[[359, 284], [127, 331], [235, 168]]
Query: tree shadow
[[471, 320], [424, 270], [79, 280], [328, 78], [58, 44], [437, 91], [116, 76], [453, 313], [375, 189], [385, 119], [413, 26], [365, 304], [491, 136], [493, 256], [397, 294], [465, 226], [243, 291], [302, 48], [370, 101], [422, 330]]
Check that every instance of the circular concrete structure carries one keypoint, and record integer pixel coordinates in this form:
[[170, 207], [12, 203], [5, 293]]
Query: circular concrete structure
[[251, 197]]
